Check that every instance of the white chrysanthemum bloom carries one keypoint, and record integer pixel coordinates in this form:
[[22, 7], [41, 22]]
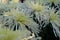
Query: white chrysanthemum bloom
[[41, 15], [36, 6], [39, 11], [18, 16], [23, 19], [54, 19], [6, 34]]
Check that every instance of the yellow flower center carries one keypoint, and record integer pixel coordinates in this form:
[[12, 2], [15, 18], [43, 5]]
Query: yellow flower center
[[36, 6]]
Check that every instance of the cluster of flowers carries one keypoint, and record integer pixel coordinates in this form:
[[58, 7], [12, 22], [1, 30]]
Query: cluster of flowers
[[19, 20]]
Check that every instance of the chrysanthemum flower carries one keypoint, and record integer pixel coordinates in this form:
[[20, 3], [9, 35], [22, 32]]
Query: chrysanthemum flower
[[36, 6], [6, 34], [23, 19], [54, 19], [20, 17]]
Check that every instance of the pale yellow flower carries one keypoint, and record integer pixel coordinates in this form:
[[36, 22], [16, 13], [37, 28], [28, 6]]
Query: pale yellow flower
[[36, 6], [19, 16], [7, 34], [55, 18]]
